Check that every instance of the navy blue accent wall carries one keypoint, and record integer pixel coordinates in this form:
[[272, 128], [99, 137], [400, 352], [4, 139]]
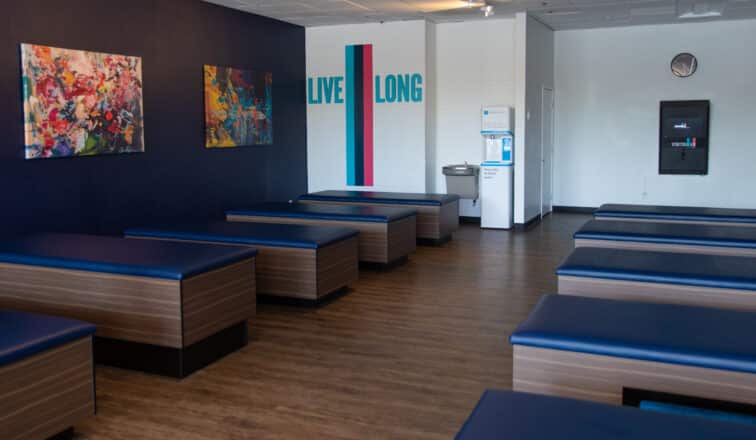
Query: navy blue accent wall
[[176, 179]]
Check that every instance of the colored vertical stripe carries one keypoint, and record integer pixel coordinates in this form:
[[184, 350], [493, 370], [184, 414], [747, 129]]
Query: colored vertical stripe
[[359, 115], [350, 144], [367, 84], [359, 111]]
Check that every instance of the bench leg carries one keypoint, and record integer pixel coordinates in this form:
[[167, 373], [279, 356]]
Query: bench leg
[[68, 434], [167, 361]]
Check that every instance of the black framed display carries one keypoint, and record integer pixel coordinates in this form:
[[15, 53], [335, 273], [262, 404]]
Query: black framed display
[[684, 137]]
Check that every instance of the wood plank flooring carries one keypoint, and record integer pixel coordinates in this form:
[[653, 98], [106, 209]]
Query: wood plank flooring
[[405, 355]]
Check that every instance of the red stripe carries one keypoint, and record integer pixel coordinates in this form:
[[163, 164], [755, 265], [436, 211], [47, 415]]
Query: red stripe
[[368, 112]]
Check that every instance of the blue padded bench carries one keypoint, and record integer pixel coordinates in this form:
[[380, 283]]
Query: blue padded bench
[[677, 214], [43, 356], [701, 239], [601, 349], [387, 235], [692, 279], [512, 415], [294, 261], [437, 214], [155, 303]]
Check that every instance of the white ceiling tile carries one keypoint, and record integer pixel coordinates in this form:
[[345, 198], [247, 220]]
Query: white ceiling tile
[[558, 14]]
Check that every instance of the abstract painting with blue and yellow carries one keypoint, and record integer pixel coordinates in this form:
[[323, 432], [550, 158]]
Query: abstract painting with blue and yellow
[[238, 107], [80, 103]]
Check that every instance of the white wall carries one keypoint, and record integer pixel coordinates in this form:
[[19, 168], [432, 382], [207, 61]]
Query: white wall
[[608, 86], [431, 107], [398, 47], [465, 66], [535, 70], [475, 67]]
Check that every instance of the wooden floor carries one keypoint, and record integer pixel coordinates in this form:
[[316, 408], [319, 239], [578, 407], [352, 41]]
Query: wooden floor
[[406, 354]]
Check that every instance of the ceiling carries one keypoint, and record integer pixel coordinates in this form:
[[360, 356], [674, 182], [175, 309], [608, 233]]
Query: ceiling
[[558, 14]]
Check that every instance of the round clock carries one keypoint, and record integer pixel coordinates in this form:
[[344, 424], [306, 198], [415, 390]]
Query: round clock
[[684, 65]]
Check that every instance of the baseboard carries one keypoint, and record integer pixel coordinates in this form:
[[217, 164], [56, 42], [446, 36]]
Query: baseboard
[[528, 224], [574, 209], [471, 220]]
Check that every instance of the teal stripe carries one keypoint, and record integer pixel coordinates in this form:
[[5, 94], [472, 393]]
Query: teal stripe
[[350, 126]]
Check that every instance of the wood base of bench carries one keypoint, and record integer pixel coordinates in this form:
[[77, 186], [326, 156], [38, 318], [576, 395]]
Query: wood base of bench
[[433, 222], [664, 247], [605, 378], [298, 274], [145, 310], [45, 394], [172, 362], [686, 222], [658, 293], [378, 242]]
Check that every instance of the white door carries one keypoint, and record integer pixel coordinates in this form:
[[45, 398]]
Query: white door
[[547, 150]]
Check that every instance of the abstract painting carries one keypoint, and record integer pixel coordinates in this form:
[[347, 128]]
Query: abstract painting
[[238, 107], [79, 103]]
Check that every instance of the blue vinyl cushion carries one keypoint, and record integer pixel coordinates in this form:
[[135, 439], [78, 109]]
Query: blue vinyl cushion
[[25, 334], [510, 415], [252, 234], [669, 233], [418, 199], [149, 258], [679, 213], [370, 214], [674, 334], [699, 270]]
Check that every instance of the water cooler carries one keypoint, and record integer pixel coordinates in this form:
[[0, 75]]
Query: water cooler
[[497, 171]]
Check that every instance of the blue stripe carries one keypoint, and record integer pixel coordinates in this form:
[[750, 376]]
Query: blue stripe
[[350, 135]]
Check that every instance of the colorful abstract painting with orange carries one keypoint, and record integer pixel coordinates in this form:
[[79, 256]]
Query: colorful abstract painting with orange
[[238, 107], [79, 103]]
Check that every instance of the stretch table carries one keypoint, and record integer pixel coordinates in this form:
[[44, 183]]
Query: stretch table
[[512, 415], [700, 239], [387, 235], [165, 308], [47, 382], [294, 261], [677, 214], [663, 277], [437, 214], [610, 351]]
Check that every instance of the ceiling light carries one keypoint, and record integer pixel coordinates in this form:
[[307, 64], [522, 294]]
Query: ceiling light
[[488, 10], [687, 9]]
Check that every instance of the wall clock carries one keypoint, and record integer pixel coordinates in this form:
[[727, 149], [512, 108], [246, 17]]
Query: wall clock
[[684, 65]]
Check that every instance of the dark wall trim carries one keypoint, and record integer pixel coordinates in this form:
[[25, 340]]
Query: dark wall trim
[[473, 220], [574, 209], [528, 224]]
